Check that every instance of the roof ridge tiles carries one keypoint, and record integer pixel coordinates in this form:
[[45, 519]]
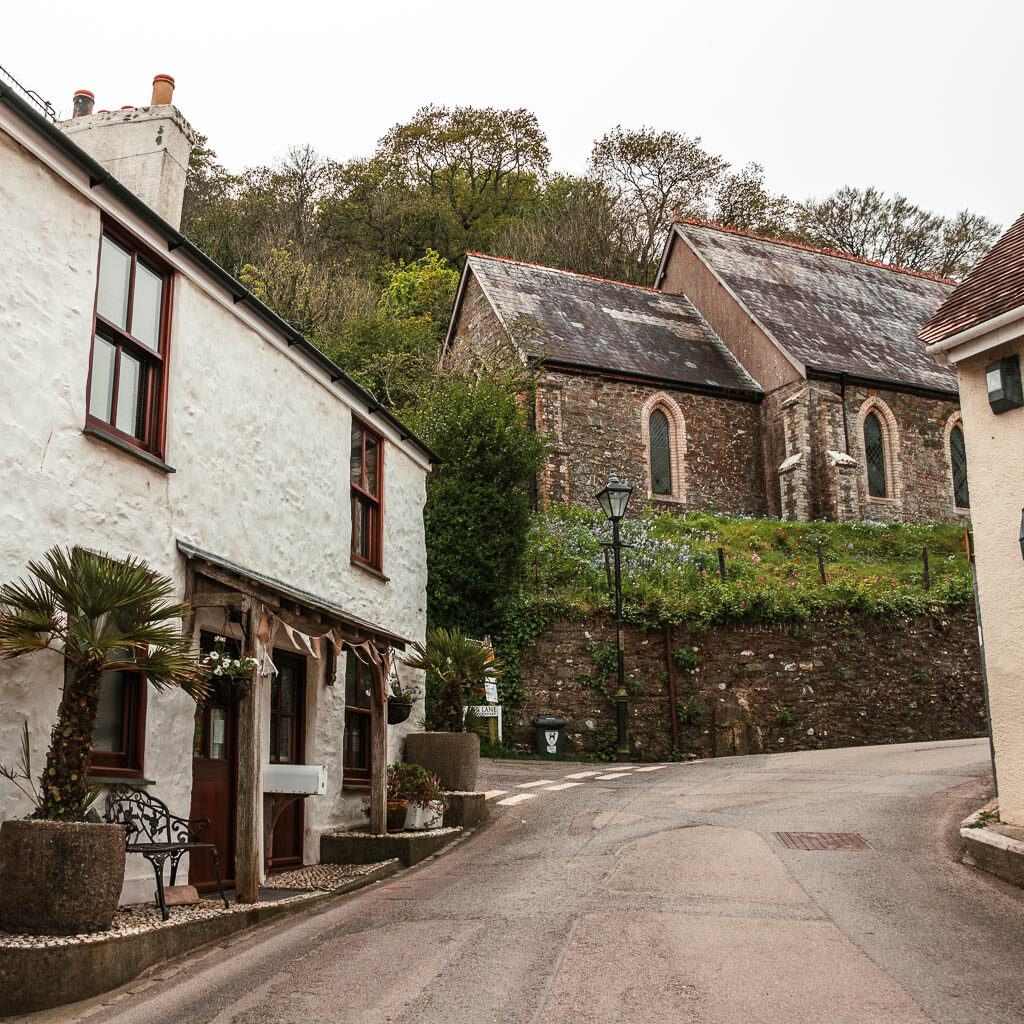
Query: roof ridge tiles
[[562, 270], [815, 249]]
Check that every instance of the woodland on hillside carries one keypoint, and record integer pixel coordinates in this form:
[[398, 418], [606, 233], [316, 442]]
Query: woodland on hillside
[[361, 255]]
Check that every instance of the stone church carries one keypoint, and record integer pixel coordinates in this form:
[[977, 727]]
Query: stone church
[[758, 376]]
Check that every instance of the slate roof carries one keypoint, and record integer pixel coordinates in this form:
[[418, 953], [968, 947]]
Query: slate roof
[[607, 325], [830, 311], [993, 287]]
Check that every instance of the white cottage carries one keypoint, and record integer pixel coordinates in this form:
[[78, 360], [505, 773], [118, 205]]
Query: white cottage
[[150, 405]]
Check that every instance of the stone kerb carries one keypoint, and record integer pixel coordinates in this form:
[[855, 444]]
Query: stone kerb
[[991, 846]]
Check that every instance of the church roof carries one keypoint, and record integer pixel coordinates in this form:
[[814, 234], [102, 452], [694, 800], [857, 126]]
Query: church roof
[[591, 323], [995, 286], [827, 310]]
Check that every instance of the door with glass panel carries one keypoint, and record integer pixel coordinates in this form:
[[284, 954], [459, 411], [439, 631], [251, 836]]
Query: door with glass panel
[[214, 779], [287, 736]]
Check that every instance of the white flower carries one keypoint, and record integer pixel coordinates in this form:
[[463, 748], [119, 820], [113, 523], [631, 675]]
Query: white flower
[[221, 639], [217, 671], [215, 656], [238, 664]]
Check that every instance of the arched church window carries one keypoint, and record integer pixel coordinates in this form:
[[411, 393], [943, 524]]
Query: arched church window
[[958, 460], [874, 455], [661, 454]]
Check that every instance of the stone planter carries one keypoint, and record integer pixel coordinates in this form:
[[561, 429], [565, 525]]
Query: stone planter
[[424, 816], [454, 757], [59, 878]]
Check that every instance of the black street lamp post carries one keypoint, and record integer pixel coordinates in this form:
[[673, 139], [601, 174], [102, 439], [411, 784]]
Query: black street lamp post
[[614, 499]]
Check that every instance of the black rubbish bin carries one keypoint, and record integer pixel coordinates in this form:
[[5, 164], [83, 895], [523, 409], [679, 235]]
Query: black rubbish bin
[[550, 735]]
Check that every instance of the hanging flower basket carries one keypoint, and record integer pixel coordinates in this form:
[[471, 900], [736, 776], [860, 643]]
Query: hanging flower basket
[[398, 711], [228, 690], [229, 679]]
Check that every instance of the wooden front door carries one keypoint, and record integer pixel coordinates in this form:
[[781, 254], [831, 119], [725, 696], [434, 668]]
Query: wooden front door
[[214, 764], [287, 746]]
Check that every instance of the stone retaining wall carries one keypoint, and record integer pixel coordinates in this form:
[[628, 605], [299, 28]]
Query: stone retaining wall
[[840, 681]]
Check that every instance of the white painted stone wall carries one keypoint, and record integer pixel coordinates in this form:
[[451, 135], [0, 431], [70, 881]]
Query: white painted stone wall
[[259, 440]]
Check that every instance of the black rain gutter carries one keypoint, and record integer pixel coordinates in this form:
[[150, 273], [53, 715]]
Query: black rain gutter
[[692, 387], [836, 376], [176, 241]]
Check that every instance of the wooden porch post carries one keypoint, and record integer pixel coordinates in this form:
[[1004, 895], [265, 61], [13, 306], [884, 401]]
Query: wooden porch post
[[248, 833], [378, 754]]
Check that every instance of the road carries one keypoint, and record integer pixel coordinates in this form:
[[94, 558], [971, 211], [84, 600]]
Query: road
[[649, 896]]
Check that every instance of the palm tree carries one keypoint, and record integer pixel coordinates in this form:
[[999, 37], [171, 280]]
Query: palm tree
[[104, 615], [454, 664]]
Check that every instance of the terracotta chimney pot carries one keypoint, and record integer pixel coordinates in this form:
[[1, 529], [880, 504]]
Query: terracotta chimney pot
[[82, 103], [163, 90]]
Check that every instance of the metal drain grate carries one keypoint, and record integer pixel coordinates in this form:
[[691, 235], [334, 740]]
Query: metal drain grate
[[822, 841]]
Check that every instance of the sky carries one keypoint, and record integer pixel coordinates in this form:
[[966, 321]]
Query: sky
[[915, 97]]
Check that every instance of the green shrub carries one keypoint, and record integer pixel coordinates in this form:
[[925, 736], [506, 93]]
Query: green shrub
[[478, 499], [691, 713], [685, 657]]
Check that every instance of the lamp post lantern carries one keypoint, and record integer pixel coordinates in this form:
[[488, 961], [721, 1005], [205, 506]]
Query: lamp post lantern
[[614, 499]]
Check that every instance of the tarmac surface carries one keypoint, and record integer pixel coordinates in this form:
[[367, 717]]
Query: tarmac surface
[[638, 894]]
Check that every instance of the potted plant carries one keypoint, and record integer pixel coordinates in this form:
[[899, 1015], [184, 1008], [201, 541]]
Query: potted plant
[[228, 679], [61, 874], [400, 702], [397, 805], [455, 667], [422, 793]]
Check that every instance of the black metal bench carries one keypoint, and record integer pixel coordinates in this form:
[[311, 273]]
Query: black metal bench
[[151, 830]]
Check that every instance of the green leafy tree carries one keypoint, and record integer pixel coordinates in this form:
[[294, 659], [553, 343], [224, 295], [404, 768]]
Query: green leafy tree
[[480, 165], [104, 616], [652, 175], [394, 359], [742, 200], [574, 225], [424, 289], [891, 229], [479, 499]]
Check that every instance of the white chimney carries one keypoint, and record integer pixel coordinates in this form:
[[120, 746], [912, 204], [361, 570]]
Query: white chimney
[[145, 148]]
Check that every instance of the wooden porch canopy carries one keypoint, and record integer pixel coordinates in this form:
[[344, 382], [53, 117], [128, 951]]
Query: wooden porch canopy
[[262, 599], [277, 595]]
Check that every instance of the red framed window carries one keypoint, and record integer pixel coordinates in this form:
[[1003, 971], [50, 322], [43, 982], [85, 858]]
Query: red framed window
[[128, 363], [119, 737], [366, 474], [356, 747]]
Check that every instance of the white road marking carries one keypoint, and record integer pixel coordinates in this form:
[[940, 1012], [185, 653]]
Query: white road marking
[[539, 782], [492, 793], [653, 768], [517, 799], [564, 785], [581, 775], [615, 775]]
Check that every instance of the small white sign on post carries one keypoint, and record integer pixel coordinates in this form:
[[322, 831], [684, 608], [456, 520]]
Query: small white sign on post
[[491, 692]]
